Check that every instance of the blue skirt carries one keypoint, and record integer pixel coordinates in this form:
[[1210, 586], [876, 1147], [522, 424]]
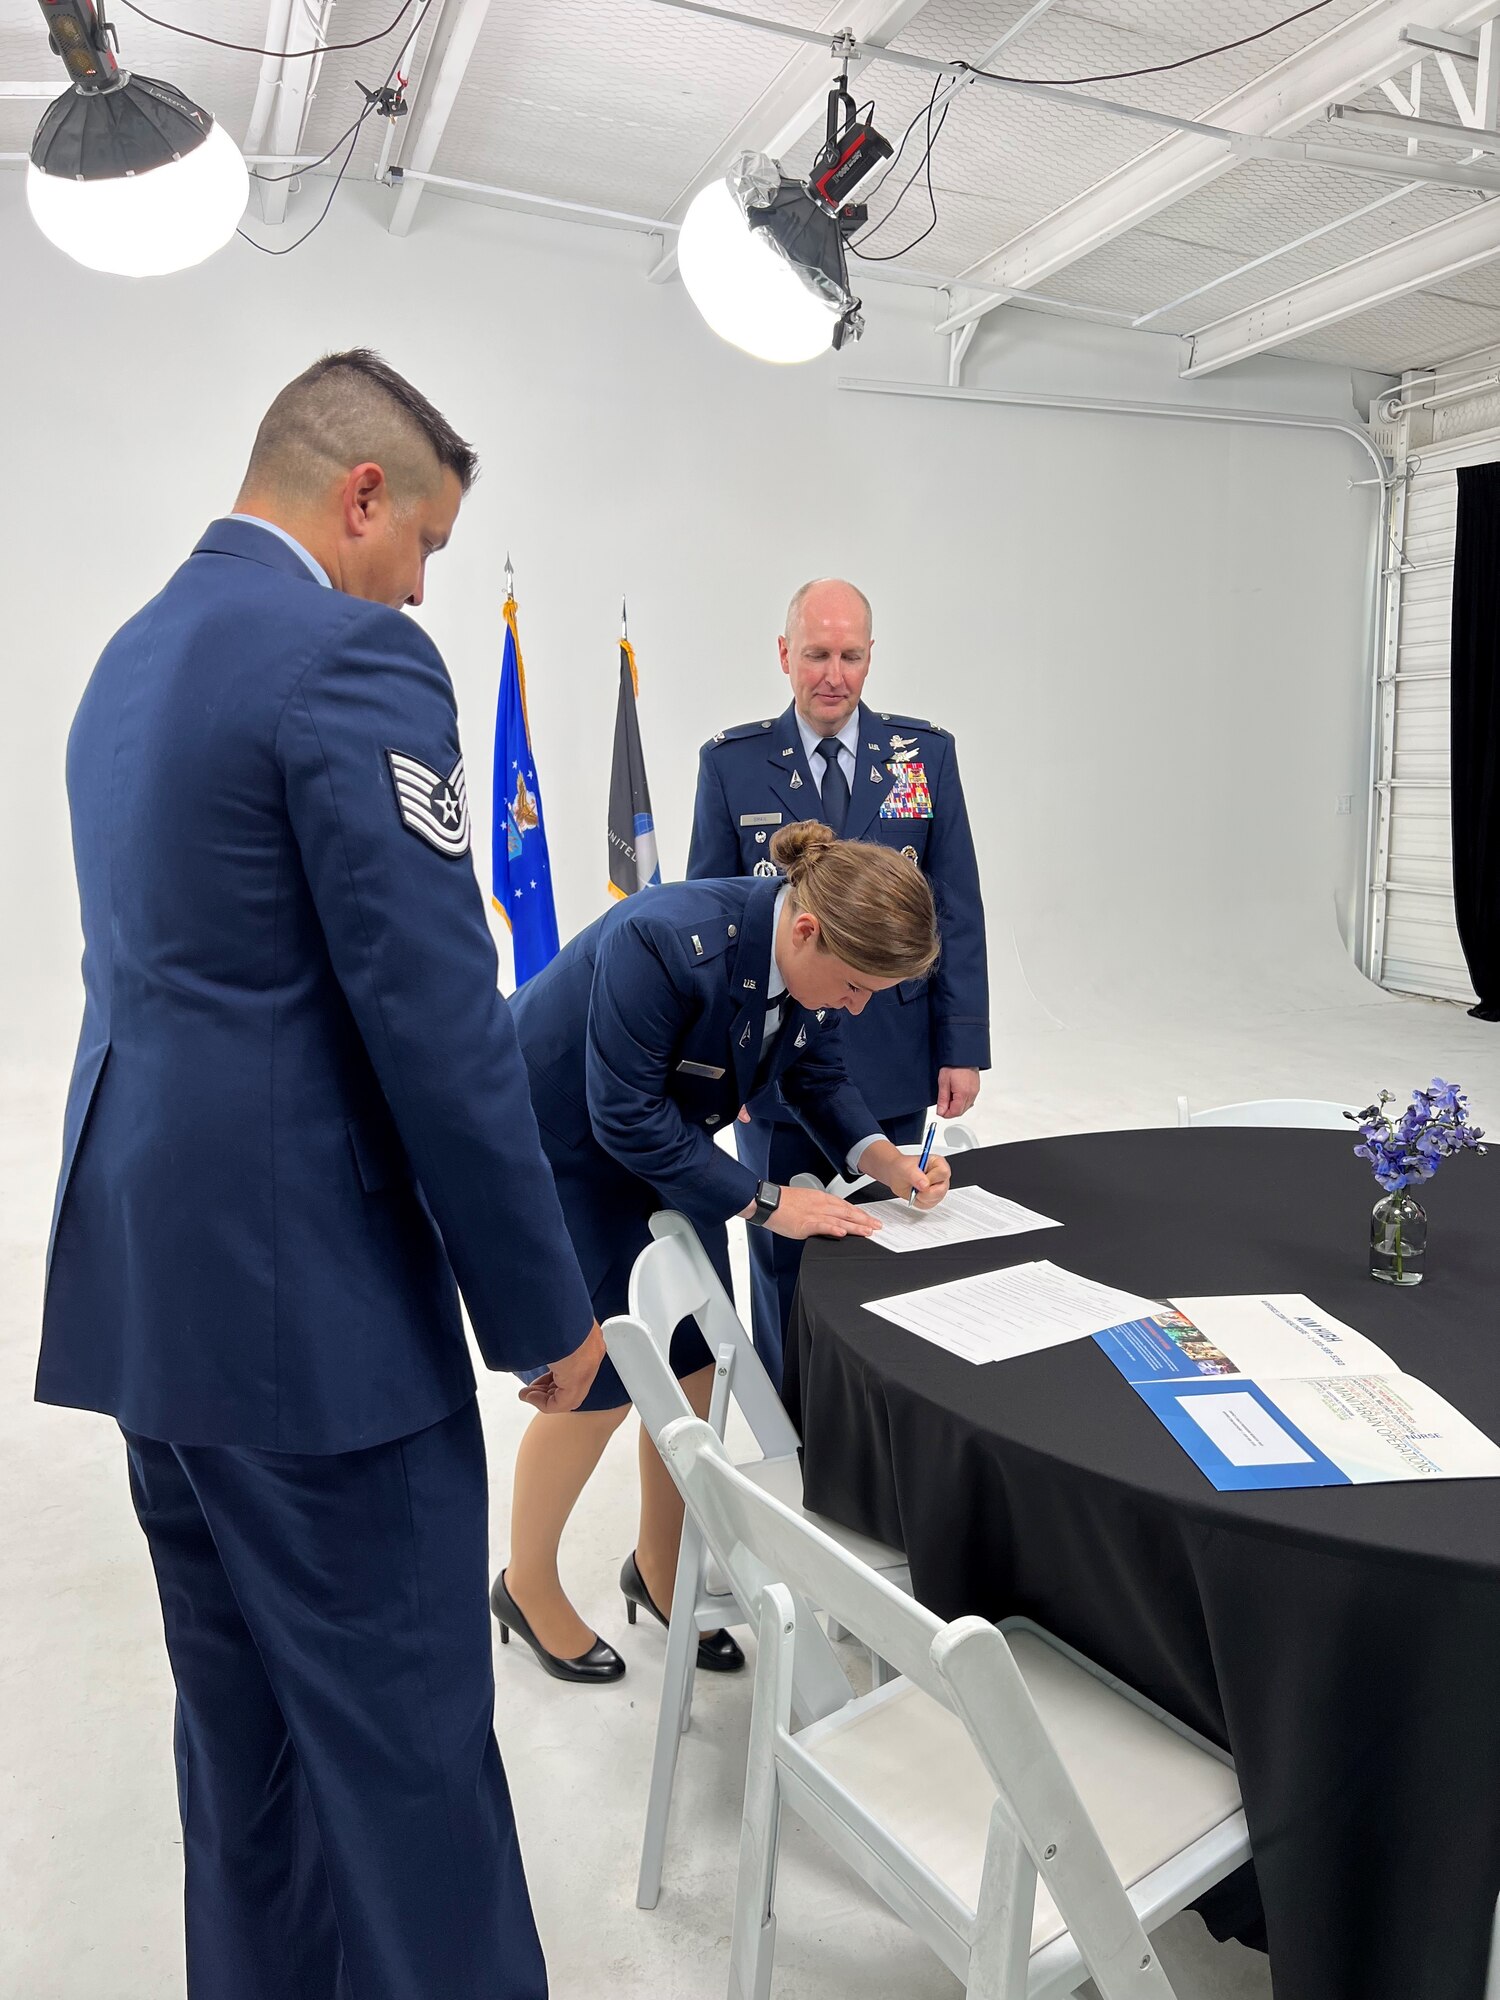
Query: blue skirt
[[608, 1215]]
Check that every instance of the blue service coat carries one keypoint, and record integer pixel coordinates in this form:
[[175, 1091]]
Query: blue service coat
[[298, 1112], [906, 794], [642, 1038]]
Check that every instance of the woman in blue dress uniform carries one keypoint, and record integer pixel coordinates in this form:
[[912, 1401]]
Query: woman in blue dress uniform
[[643, 1037]]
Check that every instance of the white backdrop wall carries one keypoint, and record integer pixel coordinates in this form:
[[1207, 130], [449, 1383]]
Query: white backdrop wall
[[1149, 638]]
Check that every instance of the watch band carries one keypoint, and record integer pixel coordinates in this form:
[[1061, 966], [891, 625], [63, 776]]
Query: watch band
[[767, 1201]]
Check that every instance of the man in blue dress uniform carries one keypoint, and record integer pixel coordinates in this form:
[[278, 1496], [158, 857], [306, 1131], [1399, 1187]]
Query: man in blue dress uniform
[[874, 776], [298, 1126]]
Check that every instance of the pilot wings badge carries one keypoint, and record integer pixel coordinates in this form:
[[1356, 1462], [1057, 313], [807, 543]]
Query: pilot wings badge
[[431, 806]]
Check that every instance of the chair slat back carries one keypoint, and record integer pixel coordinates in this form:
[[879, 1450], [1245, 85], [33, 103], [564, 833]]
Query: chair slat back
[[676, 1265], [758, 1541], [1308, 1114], [967, 1666], [645, 1370]]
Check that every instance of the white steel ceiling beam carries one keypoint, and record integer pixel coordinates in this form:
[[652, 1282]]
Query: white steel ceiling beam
[[304, 33], [1431, 129], [442, 79], [790, 103], [1438, 39], [274, 43], [1355, 56], [1416, 262], [21, 93], [1440, 251]]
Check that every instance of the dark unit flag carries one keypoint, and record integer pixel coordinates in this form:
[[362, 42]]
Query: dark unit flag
[[632, 831]]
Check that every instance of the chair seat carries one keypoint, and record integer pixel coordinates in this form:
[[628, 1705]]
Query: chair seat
[[911, 1765], [782, 1479]]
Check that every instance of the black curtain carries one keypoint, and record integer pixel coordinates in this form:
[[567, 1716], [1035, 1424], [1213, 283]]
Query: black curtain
[[1475, 737]]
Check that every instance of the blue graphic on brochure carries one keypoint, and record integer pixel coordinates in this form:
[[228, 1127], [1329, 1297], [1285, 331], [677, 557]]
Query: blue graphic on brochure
[[1272, 1392]]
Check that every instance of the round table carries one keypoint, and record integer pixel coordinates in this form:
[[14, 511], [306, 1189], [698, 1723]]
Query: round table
[[1342, 1642]]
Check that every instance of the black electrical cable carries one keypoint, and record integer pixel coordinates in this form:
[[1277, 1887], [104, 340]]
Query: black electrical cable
[[286, 250], [249, 48], [1152, 69], [297, 172], [352, 135], [896, 157], [924, 164]]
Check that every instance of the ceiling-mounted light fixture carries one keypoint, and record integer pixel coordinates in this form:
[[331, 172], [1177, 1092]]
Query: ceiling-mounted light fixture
[[763, 256], [127, 175]]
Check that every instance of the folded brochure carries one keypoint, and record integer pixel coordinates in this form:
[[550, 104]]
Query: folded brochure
[[1271, 1391]]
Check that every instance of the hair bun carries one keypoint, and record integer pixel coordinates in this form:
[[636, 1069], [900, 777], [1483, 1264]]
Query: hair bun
[[793, 847]]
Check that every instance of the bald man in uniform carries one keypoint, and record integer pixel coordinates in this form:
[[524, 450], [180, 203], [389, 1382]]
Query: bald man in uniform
[[870, 775]]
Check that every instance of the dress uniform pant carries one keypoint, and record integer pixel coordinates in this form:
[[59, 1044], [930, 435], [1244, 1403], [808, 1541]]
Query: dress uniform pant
[[775, 1152], [347, 1829]]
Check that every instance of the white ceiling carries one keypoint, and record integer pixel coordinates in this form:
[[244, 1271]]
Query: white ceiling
[[622, 103]]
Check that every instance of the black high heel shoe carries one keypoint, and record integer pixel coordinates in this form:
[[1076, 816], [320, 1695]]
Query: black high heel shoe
[[717, 1651], [599, 1664]]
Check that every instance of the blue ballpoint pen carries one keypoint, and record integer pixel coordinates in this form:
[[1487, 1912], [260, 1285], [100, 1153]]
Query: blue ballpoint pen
[[911, 1199]]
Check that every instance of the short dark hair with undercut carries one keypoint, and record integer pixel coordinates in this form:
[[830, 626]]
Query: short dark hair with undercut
[[348, 408]]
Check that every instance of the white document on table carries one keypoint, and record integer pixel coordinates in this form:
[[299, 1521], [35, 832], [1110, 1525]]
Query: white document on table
[[1000, 1314], [964, 1215]]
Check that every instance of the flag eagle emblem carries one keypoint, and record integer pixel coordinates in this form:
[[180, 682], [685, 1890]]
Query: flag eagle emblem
[[432, 806]]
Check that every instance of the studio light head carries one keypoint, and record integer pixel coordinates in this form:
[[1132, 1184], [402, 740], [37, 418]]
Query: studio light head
[[765, 258], [127, 175]]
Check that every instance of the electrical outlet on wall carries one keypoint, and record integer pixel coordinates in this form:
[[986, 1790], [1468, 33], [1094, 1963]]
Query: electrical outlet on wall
[[1343, 805]]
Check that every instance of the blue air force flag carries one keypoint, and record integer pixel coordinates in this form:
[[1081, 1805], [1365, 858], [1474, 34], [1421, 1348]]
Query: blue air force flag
[[521, 872], [632, 831]]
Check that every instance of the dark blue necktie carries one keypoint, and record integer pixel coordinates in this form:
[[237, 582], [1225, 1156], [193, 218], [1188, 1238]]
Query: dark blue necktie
[[835, 785]]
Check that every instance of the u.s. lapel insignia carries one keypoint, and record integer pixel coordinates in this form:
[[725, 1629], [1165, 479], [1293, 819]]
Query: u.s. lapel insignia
[[431, 806], [748, 984], [790, 750], [796, 784], [764, 867]]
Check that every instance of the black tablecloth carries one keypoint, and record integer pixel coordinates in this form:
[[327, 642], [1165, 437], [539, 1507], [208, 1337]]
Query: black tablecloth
[[1343, 1643]]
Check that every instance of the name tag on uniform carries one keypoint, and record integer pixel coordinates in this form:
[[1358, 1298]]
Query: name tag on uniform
[[760, 819], [710, 1070]]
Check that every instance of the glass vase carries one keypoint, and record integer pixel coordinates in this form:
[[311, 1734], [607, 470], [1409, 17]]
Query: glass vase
[[1398, 1239]]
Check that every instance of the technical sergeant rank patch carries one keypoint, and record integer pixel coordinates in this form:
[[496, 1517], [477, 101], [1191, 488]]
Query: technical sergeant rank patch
[[432, 806]]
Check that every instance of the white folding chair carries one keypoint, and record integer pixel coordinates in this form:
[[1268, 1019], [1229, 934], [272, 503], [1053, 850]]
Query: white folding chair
[[1311, 1114], [951, 1138], [672, 1281], [1028, 1816]]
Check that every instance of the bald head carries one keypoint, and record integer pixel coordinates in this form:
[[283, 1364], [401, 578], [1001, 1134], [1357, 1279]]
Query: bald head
[[825, 652], [829, 595]]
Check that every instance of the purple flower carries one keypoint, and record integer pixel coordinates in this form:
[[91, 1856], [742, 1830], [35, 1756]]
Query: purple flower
[[1407, 1150]]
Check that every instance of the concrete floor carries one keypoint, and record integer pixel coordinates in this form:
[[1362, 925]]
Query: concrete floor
[[88, 1837]]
